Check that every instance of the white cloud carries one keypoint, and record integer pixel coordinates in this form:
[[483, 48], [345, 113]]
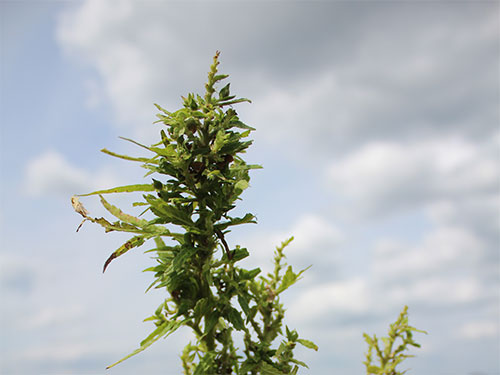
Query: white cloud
[[385, 175], [445, 248], [345, 297], [51, 174], [51, 315], [314, 238], [329, 84], [401, 120], [437, 291], [479, 329]]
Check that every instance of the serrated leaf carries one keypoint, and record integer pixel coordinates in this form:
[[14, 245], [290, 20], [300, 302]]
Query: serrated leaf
[[241, 125], [239, 253], [267, 369], [116, 212], [220, 77], [201, 307], [135, 143], [249, 274], [289, 278], [130, 244], [231, 102], [164, 329], [122, 189], [300, 363], [224, 92], [129, 158], [373, 370], [241, 185], [308, 344], [248, 218], [234, 317], [161, 109], [242, 300], [220, 140], [168, 151]]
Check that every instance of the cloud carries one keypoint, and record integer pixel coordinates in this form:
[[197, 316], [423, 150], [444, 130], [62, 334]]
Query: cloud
[[394, 104], [51, 174], [327, 74], [385, 176], [315, 238], [435, 272], [479, 329], [17, 276], [50, 316], [445, 248], [345, 297]]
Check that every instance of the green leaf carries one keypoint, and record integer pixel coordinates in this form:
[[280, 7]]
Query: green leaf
[[234, 317], [241, 185], [308, 344], [210, 323], [300, 363], [168, 151], [116, 212], [249, 274], [373, 370], [130, 158], [289, 278], [291, 335], [130, 244], [241, 125], [170, 213], [135, 143], [220, 77], [239, 253], [231, 102], [267, 369], [224, 92], [122, 189], [164, 329], [161, 109], [243, 301], [201, 308], [248, 218], [220, 140]]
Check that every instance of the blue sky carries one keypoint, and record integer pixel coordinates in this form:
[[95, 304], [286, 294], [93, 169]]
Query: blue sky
[[377, 126]]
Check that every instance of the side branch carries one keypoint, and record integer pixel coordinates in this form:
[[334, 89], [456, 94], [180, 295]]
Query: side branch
[[224, 243]]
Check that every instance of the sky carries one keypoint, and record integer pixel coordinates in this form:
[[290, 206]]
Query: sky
[[378, 129]]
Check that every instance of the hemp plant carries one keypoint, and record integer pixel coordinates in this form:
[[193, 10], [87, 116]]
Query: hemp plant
[[199, 174], [389, 357]]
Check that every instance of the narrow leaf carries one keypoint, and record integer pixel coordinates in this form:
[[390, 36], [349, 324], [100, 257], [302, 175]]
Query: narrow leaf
[[135, 143], [267, 369], [308, 344], [126, 157], [235, 319], [122, 189], [130, 244], [165, 328], [116, 212]]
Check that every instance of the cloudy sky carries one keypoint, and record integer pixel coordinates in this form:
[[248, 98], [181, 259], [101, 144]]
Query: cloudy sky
[[378, 129]]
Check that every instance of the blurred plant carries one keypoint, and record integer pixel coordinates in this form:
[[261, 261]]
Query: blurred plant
[[390, 356], [201, 176]]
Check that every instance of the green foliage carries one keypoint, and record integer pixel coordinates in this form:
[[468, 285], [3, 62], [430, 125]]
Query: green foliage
[[400, 337], [199, 176]]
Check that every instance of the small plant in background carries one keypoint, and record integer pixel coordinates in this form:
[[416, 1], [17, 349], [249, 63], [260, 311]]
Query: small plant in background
[[400, 337], [199, 176]]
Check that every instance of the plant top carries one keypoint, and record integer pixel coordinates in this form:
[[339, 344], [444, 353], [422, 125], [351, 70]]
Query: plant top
[[199, 174]]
